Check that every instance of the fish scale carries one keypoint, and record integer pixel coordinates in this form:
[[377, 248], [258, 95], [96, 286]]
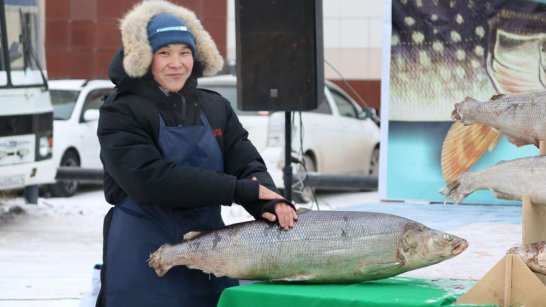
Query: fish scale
[[323, 246]]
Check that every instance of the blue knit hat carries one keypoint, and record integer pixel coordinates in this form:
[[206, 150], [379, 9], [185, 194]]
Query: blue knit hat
[[164, 29]]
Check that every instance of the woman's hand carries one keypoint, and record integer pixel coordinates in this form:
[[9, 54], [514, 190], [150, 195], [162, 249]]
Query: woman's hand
[[283, 211]]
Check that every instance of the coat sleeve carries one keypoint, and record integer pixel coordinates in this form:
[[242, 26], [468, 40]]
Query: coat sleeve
[[131, 157], [242, 160]]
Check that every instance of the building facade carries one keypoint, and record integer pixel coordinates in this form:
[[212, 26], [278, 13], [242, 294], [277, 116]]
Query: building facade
[[82, 35]]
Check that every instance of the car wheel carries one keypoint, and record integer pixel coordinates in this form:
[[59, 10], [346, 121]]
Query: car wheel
[[374, 163], [66, 188], [301, 191]]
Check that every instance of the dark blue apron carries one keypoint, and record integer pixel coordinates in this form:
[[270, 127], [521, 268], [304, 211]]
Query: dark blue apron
[[136, 231]]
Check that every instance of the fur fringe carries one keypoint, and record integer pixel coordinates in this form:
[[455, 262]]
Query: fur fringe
[[137, 50]]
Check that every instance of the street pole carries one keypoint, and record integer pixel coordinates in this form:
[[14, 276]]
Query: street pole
[[287, 169]]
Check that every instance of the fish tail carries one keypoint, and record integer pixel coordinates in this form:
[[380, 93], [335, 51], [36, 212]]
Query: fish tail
[[457, 113], [157, 263], [452, 191]]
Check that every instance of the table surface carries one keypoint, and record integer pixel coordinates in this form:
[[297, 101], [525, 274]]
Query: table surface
[[395, 291]]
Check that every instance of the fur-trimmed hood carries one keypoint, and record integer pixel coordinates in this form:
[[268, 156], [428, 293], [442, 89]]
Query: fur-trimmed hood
[[137, 50]]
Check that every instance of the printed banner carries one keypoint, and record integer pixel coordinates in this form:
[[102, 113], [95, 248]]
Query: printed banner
[[437, 53]]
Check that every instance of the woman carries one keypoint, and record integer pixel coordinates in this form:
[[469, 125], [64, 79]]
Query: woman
[[172, 154]]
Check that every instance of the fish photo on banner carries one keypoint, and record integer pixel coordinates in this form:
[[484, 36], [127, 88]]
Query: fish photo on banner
[[439, 53]]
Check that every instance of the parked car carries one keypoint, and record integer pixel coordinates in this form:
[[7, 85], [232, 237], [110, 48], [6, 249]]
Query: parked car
[[75, 114], [337, 138]]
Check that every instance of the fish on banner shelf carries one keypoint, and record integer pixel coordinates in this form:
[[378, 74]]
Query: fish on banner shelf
[[324, 247], [521, 118], [26, 113], [509, 180]]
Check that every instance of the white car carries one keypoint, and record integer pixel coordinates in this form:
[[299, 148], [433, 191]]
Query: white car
[[337, 138], [75, 112]]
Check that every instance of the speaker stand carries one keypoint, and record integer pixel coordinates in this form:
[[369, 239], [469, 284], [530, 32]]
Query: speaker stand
[[287, 169]]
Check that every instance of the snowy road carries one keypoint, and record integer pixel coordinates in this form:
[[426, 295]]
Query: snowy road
[[47, 252]]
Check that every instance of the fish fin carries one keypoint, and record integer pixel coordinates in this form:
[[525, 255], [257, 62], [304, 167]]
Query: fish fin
[[192, 235], [516, 141], [503, 195], [300, 277], [463, 146], [497, 96], [380, 268]]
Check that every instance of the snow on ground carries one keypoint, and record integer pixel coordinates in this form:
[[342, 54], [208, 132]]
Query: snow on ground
[[47, 251]]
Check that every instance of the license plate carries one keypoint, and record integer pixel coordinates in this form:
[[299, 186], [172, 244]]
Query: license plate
[[11, 182]]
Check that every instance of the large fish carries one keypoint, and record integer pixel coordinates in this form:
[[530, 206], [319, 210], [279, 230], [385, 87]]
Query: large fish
[[533, 255], [323, 247], [520, 117], [507, 180]]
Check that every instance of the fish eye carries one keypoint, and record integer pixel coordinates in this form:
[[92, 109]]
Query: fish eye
[[448, 237]]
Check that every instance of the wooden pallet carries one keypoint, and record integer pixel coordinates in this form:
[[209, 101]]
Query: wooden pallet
[[508, 283]]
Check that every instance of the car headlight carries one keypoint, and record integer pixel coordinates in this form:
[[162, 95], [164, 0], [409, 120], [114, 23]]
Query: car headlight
[[44, 146]]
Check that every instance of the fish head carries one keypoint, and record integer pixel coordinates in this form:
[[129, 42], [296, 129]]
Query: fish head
[[422, 246]]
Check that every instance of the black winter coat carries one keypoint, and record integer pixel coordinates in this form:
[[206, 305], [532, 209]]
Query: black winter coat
[[128, 132]]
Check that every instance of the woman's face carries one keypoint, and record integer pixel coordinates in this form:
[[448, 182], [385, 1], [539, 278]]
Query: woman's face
[[172, 66]]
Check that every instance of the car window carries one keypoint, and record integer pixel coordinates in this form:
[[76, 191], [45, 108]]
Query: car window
[[94, 100], [344, 105], [63, 103], [323, 107], [230, 93]]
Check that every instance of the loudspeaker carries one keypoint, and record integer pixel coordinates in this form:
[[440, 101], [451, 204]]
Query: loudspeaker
[[279, 49]]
